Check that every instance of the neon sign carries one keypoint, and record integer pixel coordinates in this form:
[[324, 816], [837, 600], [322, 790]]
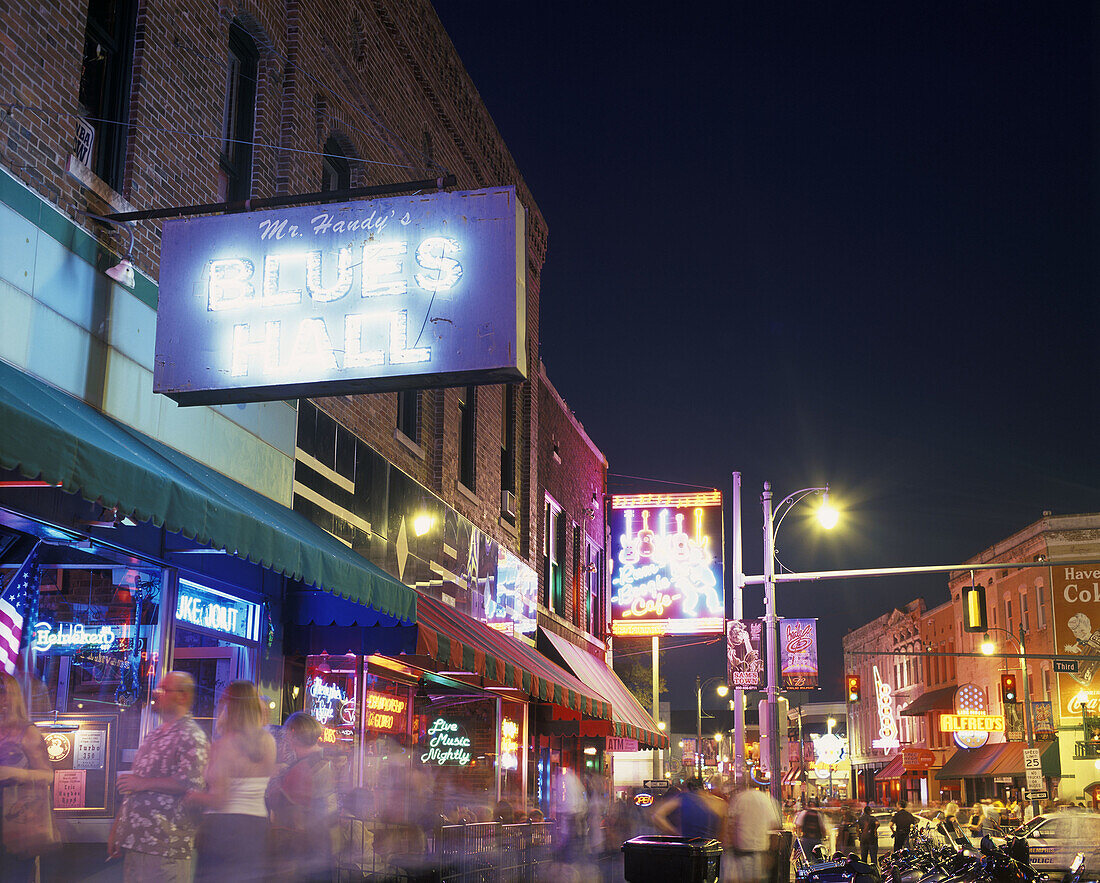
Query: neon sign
[[509, 744], [667, 564], [887, 726], [447, 744], [327, 699], [970, 704], [972, 723], [829, 748], [363, 296], [212, 610], [74, 636], [384, 712]]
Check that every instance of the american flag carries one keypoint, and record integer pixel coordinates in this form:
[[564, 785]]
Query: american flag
[[16, 603]]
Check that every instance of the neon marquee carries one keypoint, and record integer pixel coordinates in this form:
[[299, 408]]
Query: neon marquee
[[887, 726], [360, 296], [509, 744], [667, 564]]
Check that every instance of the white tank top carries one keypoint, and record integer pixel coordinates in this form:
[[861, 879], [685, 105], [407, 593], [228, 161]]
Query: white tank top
[[246, 797]]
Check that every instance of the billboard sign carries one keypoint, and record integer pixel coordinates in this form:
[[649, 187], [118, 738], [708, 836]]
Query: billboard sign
[[1076, 590], [364, 296], [745, 653], [666, 576], [798, 653]]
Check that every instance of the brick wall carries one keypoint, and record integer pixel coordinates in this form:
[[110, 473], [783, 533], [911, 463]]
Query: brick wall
[[571, 469], [379, 76]]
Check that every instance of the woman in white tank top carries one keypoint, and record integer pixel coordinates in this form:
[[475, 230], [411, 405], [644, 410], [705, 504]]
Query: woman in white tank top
[[232, 839]]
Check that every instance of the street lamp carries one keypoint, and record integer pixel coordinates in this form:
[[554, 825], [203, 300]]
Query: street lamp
[[987, 648], [827, 515], [722, 690]]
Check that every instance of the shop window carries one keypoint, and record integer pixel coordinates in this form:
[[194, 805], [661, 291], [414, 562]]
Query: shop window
[[93, 655], [105, 77], [467, 445], [408, 414], [239, 121], [335, 169]]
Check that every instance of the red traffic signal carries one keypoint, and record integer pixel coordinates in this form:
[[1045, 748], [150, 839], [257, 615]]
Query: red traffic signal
[[1008, 688], [853, 688]]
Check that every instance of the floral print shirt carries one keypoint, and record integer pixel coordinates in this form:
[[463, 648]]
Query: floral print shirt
[[154, 822]]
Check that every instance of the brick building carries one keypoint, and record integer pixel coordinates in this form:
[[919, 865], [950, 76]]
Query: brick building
[[307, 523]]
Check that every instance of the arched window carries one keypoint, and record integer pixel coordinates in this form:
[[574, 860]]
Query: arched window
[[335, 168]]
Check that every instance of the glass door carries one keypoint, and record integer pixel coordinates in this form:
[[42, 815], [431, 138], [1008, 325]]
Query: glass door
[[212, 668]]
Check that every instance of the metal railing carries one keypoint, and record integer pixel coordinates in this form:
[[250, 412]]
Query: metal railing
[[1086, 750], [476, 852]]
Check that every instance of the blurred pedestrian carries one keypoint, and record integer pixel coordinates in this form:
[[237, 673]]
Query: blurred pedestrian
[[752, 825], [303, 806], [232, 839], [700, 813], [153, 827], [846, 830], [25, 777], [569, 809], [901, 824], [867, 828], [809, 828]]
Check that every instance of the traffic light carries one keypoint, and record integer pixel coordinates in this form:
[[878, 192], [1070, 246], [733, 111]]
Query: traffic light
[[973, 598], [853, 688], [1008, 688]]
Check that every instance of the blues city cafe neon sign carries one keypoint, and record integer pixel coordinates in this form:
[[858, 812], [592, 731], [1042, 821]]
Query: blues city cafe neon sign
[[666, 564], [364, 296]]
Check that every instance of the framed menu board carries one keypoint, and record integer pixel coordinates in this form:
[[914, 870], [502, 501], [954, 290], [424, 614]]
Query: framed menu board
[[81, 750]]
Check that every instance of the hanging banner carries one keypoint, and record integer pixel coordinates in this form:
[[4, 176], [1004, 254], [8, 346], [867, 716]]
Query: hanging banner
[[355, 297], [1076, 592], [666, 575], [798, 653], [745, 653], [1014, 721], [1042, 720]]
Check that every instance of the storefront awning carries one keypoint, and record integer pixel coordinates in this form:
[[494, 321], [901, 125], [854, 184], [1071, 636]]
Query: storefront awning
[[630, 720], [972, 763], [47, 434], [469, 645], [454, 642], [940, 699], [895, 769], [1001, 759], [1010, 762]]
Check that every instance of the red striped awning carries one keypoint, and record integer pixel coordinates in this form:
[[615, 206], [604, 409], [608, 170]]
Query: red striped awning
[[465, 644], [895, 769]]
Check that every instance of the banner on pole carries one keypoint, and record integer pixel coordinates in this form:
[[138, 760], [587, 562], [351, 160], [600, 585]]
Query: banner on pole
[[798, 654], [745, 653]]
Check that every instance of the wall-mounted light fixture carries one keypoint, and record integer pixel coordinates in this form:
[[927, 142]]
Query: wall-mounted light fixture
[[123, 271], [593, 508]]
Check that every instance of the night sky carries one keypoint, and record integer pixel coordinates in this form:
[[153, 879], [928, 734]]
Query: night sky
[[817, 243]]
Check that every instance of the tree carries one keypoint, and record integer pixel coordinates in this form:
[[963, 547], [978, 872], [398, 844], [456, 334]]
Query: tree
[[636, 672]]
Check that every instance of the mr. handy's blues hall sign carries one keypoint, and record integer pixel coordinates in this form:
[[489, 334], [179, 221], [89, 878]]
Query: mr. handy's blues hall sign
[[355, 297]]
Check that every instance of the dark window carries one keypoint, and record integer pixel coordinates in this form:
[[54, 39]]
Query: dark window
[[467, 453], [335, 170], [408, 414], [105, 84], [577, 576], [508, 441], [238, 127]]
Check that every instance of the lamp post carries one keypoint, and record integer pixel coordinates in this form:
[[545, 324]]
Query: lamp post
[[832, 723], [722, 690], [828, 518], [987, 649]]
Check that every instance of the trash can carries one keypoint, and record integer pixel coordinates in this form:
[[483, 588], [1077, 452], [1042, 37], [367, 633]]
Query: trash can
[[781, 869], [657, 858]]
